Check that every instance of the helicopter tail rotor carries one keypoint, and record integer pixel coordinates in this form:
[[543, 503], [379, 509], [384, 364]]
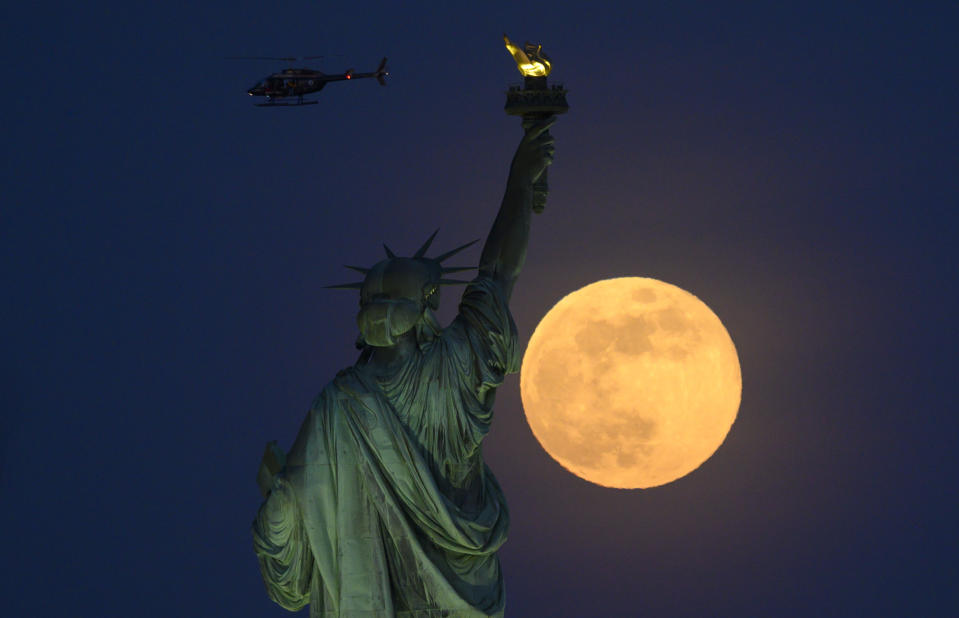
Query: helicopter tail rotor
[[381, 72]]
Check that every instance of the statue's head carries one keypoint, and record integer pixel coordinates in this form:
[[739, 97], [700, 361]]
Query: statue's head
[[399, 294], [394, 297]]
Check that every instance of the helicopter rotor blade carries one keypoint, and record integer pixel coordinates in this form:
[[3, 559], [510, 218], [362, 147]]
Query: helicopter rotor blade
[[285, 59], [322, 56]]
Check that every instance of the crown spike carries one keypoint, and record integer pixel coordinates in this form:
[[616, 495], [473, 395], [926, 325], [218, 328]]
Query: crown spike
[[389, 252], [346, 286], [449, 254], [456, 269], [358, 269], [426, 245]]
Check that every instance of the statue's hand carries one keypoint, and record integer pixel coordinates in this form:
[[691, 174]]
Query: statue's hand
[[534, 153]]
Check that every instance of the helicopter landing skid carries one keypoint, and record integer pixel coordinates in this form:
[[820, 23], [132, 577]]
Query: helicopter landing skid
[[285, 103]]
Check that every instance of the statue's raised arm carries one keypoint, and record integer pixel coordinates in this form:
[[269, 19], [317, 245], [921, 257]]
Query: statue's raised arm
[[505, 250]]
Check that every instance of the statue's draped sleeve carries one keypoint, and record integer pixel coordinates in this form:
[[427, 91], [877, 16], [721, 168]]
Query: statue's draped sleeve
[[485, 323], [449, 406], [280, 545]]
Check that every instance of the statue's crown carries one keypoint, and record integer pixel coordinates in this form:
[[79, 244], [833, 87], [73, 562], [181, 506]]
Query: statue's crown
[[434, 264]]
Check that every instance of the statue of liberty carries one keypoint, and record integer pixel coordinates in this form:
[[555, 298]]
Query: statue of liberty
[[384, 506]]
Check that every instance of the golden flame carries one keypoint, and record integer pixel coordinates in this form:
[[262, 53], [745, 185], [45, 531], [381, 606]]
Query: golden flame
[[531, 62]]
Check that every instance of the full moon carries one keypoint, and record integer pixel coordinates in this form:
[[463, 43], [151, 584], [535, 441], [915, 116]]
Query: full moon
[[630, 382]]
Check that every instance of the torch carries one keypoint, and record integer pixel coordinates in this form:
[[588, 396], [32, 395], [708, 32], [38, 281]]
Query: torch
[[535, 99]]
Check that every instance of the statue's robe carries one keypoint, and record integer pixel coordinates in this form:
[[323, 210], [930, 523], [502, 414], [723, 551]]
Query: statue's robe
[[385, 507]]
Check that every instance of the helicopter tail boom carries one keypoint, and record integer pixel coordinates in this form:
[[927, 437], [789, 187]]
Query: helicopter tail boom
[[380, 74]]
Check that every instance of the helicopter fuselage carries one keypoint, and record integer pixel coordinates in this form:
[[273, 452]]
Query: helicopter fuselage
[[292, 83], [299, 82]]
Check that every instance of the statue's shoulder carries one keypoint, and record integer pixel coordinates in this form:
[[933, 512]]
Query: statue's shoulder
[[339, 388], [320, 418], [484, 294]]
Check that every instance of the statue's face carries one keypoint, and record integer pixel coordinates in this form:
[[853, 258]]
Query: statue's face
[[393, 298]]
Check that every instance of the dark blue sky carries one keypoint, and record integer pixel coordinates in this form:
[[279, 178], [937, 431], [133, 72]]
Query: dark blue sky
[[165, 247]]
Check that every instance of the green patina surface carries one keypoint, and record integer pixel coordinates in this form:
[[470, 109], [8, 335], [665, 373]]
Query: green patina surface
[[384, 506]]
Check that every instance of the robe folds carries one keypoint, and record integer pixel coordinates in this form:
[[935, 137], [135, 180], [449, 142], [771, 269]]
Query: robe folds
[[385, 507]]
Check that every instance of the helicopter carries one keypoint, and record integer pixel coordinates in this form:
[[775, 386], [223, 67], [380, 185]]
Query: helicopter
[[279, 88]]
